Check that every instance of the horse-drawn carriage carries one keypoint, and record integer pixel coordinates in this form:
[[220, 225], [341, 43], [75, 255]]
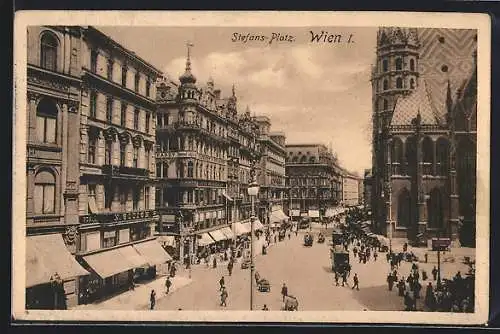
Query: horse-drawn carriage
[[308, 240], [290, 304], [340, 259], [263, 285]]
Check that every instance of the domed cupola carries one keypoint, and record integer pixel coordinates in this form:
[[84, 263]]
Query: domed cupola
[[188, 77]]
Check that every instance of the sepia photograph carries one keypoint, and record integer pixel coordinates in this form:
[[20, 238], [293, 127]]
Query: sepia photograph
[[305, 166]]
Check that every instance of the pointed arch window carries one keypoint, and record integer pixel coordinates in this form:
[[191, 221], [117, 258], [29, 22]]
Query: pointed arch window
[[386, 85], [165, 170], [46, 121], [404, 208], [399, 64], [45, 192], [108, 152], [135, 160], [180, 170], [397, 156], [441, 157], [412, 65], [399, 83], [385, 65], [190, 169], [385, 104], [123, 153], [427, 155], [48, 50]]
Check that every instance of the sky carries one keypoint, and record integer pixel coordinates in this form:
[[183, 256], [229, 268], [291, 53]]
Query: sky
[[314, 92]]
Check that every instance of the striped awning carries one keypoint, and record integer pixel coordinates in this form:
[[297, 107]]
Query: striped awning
[[205, 240], [217, 235], [227, 232]]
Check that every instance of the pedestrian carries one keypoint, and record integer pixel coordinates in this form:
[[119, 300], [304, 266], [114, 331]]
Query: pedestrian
[[336, 278], [390, 281], [230, 267], [264, 308], [434, 273], [296, 231], [356, 282], [284, 291], [168, 284], [221, 283], [401, 287], [429, 297], [289, 236], [223, 297], [375, 255], [344, 278], [152, 299], [215, 262]]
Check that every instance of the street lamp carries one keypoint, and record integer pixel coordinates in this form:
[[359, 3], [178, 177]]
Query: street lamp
[[253, 191]]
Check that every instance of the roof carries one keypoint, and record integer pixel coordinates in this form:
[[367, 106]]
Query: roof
[[407, 108]]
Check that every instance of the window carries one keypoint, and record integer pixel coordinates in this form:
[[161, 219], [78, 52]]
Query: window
[[108, 197], [93, 61], [135, 201], [123, 199], [48, 49], [45, 192], [146, 198], [91, 153], [136, 119], [46, 121], [385, 65], [109, 70], [412, 65], [399, 64], [412, 83], [190, 171], [385, 104], [148, 120], [124, 76], [159, 120], [147, 156], [399, 83], [123, 152], [93, 104], [123, 114], [158, 169], [109, 239], [135, 157], [148, 86], [165, 170], [108, 152], [386, 85], [136, 82], [109, 109]]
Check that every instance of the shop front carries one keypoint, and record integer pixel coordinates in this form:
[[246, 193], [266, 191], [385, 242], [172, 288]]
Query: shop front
[[156, 257], [51, 273]]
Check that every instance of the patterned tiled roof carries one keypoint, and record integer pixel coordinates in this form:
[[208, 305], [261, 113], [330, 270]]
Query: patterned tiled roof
[[409, 106]]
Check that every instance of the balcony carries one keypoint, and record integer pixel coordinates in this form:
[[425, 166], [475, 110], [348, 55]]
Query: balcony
[[122, 171], [118, 217], [175, 154]]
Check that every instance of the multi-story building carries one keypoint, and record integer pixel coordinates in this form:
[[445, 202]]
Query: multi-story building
[[350, 189], [424, 134], [361, 198], [204, 155], [367, 188], [116, 159], [53, 107], [314, 181], [271, 175]]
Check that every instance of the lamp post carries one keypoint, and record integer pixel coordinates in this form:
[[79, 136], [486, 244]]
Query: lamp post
[[253, 191]]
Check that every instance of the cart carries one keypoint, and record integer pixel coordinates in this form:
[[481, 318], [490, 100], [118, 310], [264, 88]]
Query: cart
[[308, 240], [263, 285], [290, 304], [245, 264]]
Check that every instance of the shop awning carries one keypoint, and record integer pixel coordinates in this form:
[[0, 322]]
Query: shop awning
[[132, 256], [205, 240], [47, 255], [153, 252], [108, 263], [257, 225], [247, 227], [240, 229], [313, 213], [166, 240], [217, 235], [227, 232], [278, 216]]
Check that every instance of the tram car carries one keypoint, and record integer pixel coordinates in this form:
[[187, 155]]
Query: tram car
[[340, 259]]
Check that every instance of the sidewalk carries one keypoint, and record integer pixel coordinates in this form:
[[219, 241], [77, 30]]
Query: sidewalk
[[138, 298]]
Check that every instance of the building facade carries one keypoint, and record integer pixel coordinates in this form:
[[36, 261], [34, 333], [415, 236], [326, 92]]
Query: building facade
[[350, 189], [205, 152], [271, 174], [116, 159], [424, 139], [52, 169], [314, 180], [367, 189]]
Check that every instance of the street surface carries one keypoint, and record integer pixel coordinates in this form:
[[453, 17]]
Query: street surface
[[306, 272]]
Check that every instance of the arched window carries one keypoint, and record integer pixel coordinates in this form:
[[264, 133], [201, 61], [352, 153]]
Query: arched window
[[46, 121], [312, 160], [165, 170], [412, 65], [404, 208], [412, 83], [399, 83], [386, 85], [397, 156], [180, 169], [411, 155], [45, 192], [399, 64], [295, 159], [441, 156], [190, 171], [303, 159], [386, 104], [385, 65], [48, 51], [427, 155], [435, 208]]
